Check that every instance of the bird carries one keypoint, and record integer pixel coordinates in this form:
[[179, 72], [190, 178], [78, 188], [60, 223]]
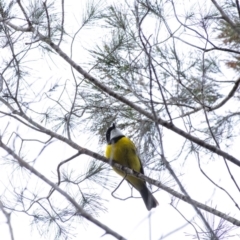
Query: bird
[[122, 150]]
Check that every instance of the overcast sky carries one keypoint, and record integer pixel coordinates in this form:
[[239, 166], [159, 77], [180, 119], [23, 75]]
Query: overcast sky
[[129, 218]]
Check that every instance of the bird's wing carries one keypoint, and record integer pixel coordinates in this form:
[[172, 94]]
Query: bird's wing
[[134, 149]]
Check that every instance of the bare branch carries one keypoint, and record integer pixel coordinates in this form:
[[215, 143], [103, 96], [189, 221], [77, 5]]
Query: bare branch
[[79, 209], [8, 217], [225, 17]]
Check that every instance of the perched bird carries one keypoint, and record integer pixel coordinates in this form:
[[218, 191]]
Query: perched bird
[[123, 151]]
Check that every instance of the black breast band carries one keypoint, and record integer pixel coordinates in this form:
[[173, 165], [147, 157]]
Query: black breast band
[[114, 140]]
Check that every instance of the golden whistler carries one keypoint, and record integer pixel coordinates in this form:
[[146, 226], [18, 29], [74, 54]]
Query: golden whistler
[[122, 150]]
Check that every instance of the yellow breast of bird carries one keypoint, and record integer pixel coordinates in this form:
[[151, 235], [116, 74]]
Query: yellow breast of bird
[[124, 152]]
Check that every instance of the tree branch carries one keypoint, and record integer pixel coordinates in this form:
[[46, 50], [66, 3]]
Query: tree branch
[[130, 172], [79, 209], [112, 93], [160, 121]]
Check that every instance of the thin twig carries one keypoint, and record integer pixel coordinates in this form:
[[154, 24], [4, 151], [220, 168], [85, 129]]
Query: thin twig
[[79, 209]]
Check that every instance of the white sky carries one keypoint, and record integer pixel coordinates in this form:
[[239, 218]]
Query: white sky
[[130, 218]]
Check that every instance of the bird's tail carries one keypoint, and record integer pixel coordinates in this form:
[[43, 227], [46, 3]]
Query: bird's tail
[[149, 200]]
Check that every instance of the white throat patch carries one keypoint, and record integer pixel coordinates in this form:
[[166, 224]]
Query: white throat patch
[[115, 133]]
